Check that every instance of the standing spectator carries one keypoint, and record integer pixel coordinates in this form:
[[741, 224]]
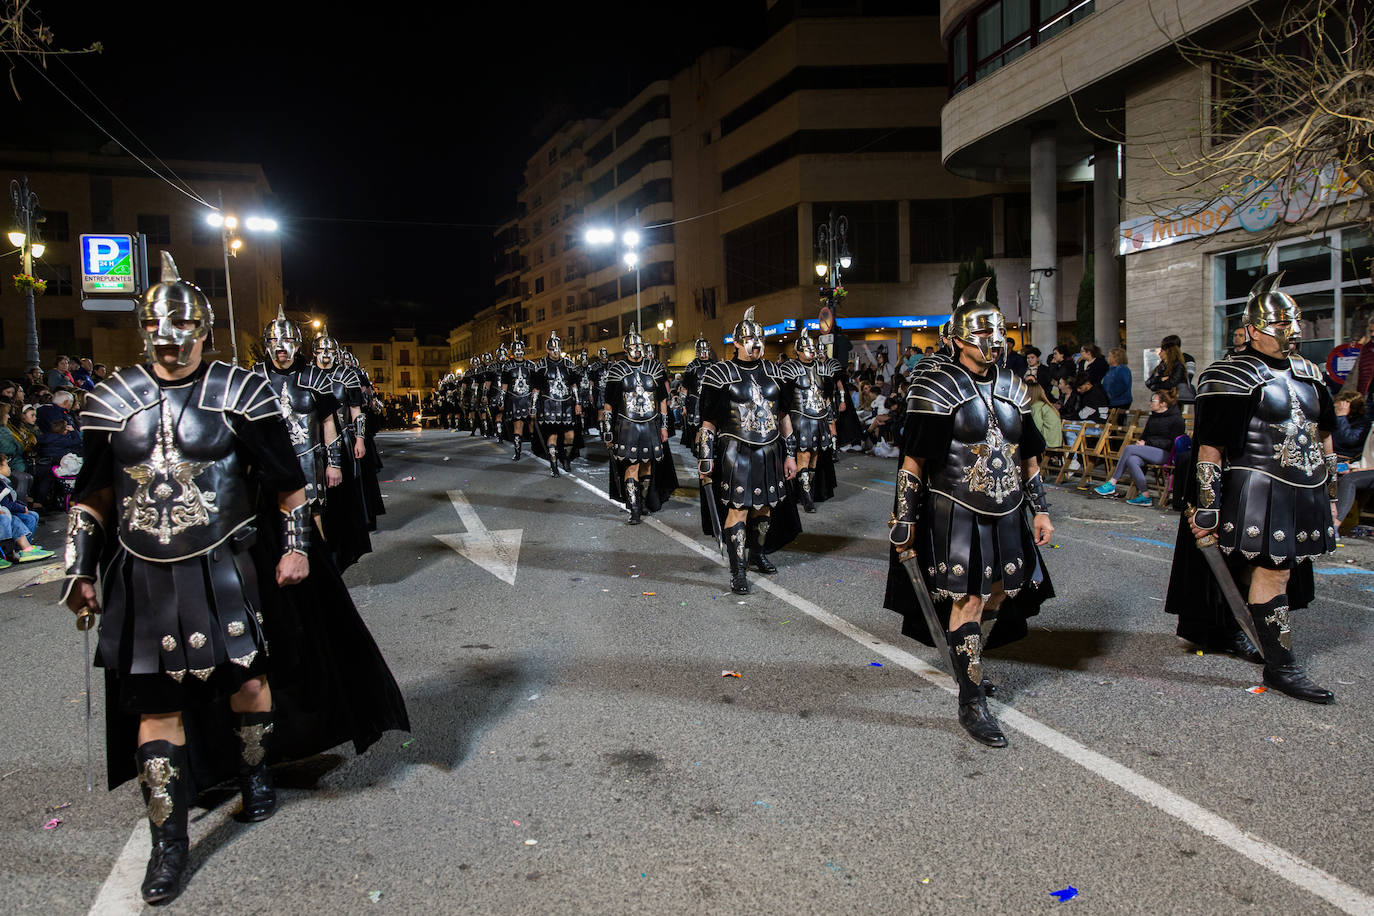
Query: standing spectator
[[1044, 415], [1237, 339], [1189, 362], [1352, 425], [61, 377], [1154, 446], [1091, 363], [1040, 373], [930, 351], [1015, 361], [1061, 364], [1117, 381], [1092, 399], [1171, 374], [913, 356], [1364, 366]]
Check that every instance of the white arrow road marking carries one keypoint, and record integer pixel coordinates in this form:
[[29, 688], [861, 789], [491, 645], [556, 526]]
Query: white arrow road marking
[[498, 552]]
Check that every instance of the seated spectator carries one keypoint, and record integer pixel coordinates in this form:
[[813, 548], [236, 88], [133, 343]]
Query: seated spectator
[[61, 439], [12, 451], [1068, 399], [1172, 371], [61, 377], [17, 523], [1046, 418], [1092, 398], [1039, 373], [1117, 381], [1352, 425], [60, 408], [24, 429], [1154, 446], [82, 373]]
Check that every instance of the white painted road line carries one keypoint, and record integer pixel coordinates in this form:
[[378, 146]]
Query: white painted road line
[[1278, 861]]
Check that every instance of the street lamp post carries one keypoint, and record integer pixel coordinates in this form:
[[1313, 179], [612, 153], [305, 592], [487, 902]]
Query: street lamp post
[[24, 238], [832, 254], [228, 224], [629, 240]]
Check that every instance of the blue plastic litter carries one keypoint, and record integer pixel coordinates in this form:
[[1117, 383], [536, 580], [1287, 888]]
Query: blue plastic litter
[[1067, 893], [875, 664]]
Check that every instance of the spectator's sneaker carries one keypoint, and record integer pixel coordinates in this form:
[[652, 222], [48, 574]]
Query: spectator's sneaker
[[1107, 489], [5, 564], [1141, 499], [32, 554]]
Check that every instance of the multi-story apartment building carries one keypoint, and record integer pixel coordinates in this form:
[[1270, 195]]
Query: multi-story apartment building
[[82, 193], [1034, 87]]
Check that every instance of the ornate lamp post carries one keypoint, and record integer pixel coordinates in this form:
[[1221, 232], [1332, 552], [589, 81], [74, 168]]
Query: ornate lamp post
[[25, 238]]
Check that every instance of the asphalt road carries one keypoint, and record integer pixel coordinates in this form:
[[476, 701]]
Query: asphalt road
[[577, 750]]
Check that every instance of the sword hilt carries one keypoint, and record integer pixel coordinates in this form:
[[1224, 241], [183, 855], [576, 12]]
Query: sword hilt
[[85, 620]]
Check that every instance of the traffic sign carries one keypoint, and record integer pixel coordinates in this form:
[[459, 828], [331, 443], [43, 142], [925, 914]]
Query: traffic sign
[[1341, 360], [107, 264]]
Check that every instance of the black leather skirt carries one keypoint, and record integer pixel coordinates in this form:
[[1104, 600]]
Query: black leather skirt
[[968, 553], [637, 440], [750, 476], [1271, 523], [813, 433]]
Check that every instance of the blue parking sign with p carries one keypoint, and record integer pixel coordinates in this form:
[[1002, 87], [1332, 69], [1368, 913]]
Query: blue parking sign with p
[[107, 264]]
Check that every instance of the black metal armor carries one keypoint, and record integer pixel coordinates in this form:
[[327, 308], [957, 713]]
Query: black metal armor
[[983, 469], [811, 405], [637, 389], [746, 402], [557, 380], [180, 493], [300, 392], [1274, 500], [516, 376], [691, 383]]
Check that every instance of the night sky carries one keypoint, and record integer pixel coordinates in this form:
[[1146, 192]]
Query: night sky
[[395, 144]]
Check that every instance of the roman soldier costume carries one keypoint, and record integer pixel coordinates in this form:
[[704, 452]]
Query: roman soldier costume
[[815, 381], [691, 384], [962, 507], [178, 518], [636, 392], [515, 382], [488, 397], [742, 449], [556, 380], [1267, 503], [585, 396], [346, 519], [305, 396]]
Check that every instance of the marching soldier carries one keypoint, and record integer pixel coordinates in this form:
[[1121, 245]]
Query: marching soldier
[[634, 423], [963, 551], [1265, 495], [691, 384], [306, 402], [197, 562], [519, 394], [346, 517], [816, 382], [555, 381], [746, 454]]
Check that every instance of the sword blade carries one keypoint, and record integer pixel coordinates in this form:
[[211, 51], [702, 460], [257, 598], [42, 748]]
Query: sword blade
[[1234, 602], [918, 584], [709, 496], [86, 664]]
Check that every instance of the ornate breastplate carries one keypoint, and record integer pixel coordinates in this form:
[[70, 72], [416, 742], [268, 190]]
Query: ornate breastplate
[[809, 392], [638, 387], [983, 468], [755, 404], [179, 489], [520, 382], [557, 383], [1282, 439]]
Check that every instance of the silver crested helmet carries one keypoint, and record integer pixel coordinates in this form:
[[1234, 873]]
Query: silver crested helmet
[[326, 350], [748, 333], [282, 334], [806, 347], [602, 354], [170, 303], [974, 314], [518, 349], [553, 345], [1270, 311], [633, 344], [703, 347], [582, 357]]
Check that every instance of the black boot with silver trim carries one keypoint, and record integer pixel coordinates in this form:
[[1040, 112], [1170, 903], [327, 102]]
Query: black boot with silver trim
[[253, 729], [966, 654], [758, 530], [634, 500], [737, 549], [162, 775], [1280, 670]]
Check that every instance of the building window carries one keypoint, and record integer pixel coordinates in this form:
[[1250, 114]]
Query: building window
[[1327, 276], [405, 379], [59, 277], [997, 32], [157, 227], [538, 284], [210, 281], [54, 228], [872, 238], [761, 257], [538, 314], [376, 352], [404, 359]]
